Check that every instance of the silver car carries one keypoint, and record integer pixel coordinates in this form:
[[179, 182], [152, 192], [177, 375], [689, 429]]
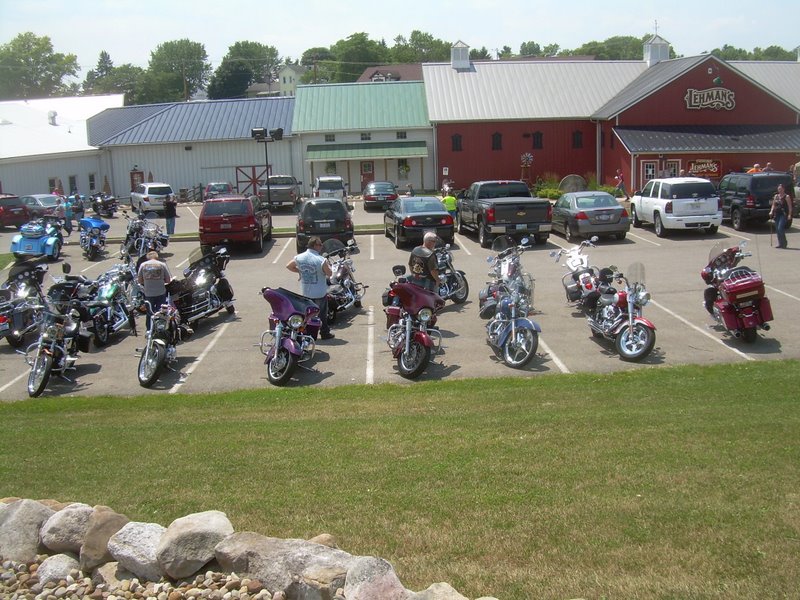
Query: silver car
[[150, 196], [584, 214]]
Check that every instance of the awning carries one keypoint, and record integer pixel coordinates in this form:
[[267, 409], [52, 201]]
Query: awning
[[711, 138], [367, 151]]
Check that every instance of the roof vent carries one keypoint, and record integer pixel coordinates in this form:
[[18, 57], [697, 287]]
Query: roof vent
[[656, 49], [51, 117], [459, 56]]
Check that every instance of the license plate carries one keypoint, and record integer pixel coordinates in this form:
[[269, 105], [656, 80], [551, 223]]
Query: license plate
[[225, 226], [3, 326], [28, 247], [603, 217], [522, 226], [324, 225], [696, 204]]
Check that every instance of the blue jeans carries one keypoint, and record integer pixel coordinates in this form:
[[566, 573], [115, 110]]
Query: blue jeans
[[780, 229], [325, 329], [170, 225], [155, 304]]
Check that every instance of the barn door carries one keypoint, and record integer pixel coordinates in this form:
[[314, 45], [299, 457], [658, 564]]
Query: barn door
[[249, 178], [367, 173]]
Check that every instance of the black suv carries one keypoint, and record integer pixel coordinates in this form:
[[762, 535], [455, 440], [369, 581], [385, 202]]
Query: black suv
[[747, 196], [325, 218]]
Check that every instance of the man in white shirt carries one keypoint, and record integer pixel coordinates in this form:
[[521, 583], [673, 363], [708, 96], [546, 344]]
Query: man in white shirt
[[314, 270]]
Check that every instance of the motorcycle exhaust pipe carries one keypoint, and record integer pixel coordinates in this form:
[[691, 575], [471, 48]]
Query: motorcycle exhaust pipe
[[765, 326], [737, 333]]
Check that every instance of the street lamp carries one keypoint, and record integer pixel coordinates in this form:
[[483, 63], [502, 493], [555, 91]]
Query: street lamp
[[260, 134]]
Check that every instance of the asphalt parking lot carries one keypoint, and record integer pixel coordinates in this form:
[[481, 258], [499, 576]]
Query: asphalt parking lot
[[222, 355]]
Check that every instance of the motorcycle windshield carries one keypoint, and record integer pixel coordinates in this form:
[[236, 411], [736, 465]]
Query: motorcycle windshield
[[720, 248], [332, 247], [636, 273], [503, 242]]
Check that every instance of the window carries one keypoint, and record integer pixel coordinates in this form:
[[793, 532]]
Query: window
[[497, 141], [647, 192], [330, 167], [648, 169], [365, 137], [403, 168], [456, 142], [330, 137], [673, 168], [92, 182], [538, 143], [51, 184], [577, 139], [73, 183], [401, 135]]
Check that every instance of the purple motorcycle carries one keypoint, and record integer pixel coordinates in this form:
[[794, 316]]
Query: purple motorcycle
[[292, 334]]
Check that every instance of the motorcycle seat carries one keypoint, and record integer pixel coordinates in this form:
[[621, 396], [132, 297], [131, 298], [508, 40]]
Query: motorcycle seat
[[79, 278]]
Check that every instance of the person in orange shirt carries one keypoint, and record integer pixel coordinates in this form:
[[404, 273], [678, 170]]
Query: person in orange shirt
[[756, 168]]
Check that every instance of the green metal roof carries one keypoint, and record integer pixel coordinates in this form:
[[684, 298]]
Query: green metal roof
[[366, 150], [360, 106]]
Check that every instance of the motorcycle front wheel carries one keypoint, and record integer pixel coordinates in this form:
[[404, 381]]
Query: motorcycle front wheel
[[463, 289], [411, 364], [281, 366], [634, 346], [151, 363], [40, 374], [101, 330], [520, 348], [92, 252]]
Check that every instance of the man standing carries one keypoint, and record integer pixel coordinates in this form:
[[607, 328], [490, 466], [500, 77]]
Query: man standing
[[450, 203], [620, 179], [170, 212], [153, 275], [422, 263], [314, 269]]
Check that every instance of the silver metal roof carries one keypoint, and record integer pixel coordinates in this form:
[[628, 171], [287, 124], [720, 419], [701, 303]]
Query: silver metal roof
[[780, 78], [524, 90], [721, 138]]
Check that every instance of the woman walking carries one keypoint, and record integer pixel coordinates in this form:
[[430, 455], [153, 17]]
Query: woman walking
[[780, 212]]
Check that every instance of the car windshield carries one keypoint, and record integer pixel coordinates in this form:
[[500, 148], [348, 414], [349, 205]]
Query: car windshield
[[277, 180], [324, 211], [219, 187], [160, 190], [383, 188], [603, 201], [229, 207], [770, 184], [330, 184], [692, 190], [48, 200], [422, 205]]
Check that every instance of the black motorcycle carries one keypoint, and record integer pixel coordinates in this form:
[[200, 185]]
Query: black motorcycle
[[20, 296], [111, 310], [142, 235], [343, 290], [204, 290], [453, 283], [160, 351], [104, 204]]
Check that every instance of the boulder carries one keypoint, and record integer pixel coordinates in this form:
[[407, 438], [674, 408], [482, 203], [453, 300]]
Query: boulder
[[189, 542], [134, 548], [438, 591], [103, 523], [111, 575], [65, 530], [326, 539], [294, 567], [20, 524], [57, 567], [370, 577]]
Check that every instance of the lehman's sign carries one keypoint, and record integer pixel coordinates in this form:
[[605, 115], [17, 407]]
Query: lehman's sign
[[705, 167], [717, 98]]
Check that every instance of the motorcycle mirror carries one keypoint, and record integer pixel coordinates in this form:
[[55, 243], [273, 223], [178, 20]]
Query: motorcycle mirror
[[594, 239], [66, 268], [351, 242], [187, 271], [524, 241], [398, 270]]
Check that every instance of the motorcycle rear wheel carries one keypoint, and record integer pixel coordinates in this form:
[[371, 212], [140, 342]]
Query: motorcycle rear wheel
[[463, 290], [520, 349], [281, 366], [15, 341], [412, 364], [634, 347], [151, 363], [749, 334], [40, 374]]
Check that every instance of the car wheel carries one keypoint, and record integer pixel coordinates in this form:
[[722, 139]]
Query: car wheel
[[459, 224], [737, 222], [568, 234], [621, 235], [484, 237], [386, 230], [635, 217], [269, 232], [659, 226], [56, 252], [258, 245]]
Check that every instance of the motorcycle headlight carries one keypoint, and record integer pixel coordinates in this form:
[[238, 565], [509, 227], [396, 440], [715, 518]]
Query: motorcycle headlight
[[643, 297], [425, 315], [95, 231], [160, 325], [295, 321], [51, 331]]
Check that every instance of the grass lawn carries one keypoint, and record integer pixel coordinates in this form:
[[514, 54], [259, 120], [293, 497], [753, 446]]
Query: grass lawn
[[675, 482]]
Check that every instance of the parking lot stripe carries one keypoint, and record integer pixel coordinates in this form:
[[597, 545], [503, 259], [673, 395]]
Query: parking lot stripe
[[277, 258], [199, 359], [370, 375], [561, 366], [372, 247], [15, 380], [698, 329], [193, 213], [769, 287], [638, 237], [462, 245]]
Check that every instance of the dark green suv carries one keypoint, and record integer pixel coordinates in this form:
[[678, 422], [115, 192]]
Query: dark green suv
[[747, 196]]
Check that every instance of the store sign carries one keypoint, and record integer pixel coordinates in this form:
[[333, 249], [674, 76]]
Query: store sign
[[705, 167], [718, 98]]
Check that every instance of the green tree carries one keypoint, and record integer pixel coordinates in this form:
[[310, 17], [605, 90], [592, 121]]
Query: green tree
[[30, 68], [773, 53], [230, 80], [105, 66], [482, 54], [356, 53], [124, 79], [614, 48], [158, 86], [551, 50], [419, 48], [244, 64], [728, 52], [505, 52], [184, 58], [530, 49], [321, 64]]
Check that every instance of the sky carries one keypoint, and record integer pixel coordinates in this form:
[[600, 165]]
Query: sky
[[130, 29]]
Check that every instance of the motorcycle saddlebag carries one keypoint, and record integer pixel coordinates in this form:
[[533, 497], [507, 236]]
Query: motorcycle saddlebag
[[743, 286], [164, 239], [84, 340], [392, 315], [385, 300], [573, 292], [765, 308], [489, 308]]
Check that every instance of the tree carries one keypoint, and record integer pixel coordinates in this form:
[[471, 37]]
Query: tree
[[230, 80], [420, 47], [614, 48], [244, 64], [124, 79], [30, 68], [321, 65], [773, 53], [551, 50], [158, 86], [728, 52], [184, 58], [482, 54], [356, 53], [505, 52], [530, 49], [105, 66]]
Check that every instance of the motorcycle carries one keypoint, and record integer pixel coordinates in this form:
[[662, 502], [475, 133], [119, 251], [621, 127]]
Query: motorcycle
[[142, 235], [411, 323], [735, 295], [104, 205], [110, 310], [618, 316], [19, 297], [510, 333], [165, 333], [40, 237], [93, 236], [292, 335], [581, 280], [61, 338], [453, 284], [343, 290], [205, 290], [506, 268]]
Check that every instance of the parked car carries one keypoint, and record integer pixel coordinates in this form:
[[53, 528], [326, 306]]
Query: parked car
[[584, 214], [13, 211], [327, 218], [409, 217], [150, 197], [379, 194], [330, 186], [748, 196], [218, 188], [39, 205], [284, 190], [235, 219], [677, 203]]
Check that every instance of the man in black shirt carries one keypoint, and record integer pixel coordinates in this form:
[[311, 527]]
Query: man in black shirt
[[422, 264]]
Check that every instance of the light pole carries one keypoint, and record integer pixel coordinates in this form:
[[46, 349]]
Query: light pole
[[260, 134]]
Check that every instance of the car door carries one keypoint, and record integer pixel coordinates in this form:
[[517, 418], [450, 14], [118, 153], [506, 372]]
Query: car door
[[649, 195], [390, 216], [726, 187], [558, 213]]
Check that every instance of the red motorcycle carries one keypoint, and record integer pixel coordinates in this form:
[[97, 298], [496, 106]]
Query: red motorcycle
[[735, 296], [411, 321]]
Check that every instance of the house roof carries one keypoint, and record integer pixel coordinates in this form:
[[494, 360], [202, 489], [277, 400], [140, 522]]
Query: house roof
[[398, 72], [524, 90], [206, 121], [112, 121], [720, 138], [360, 106], [781, 78], [25, 129]]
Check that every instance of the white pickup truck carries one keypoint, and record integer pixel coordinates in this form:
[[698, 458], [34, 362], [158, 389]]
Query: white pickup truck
[[677, 203]]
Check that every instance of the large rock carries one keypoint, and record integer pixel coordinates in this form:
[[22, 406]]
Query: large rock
[[439, 591], [189, 542], [370, 578], [298, 568], [103, 523], [134, 548], [20, 524], [56, 568], [111, 575], [65, 530]]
